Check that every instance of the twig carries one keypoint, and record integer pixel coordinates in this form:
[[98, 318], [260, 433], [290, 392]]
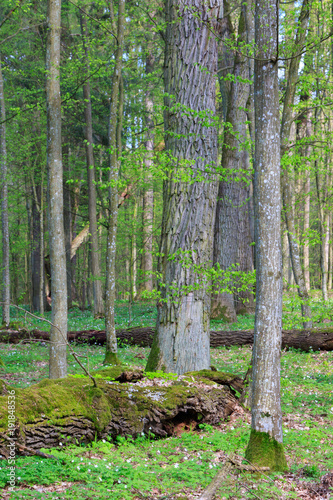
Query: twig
[[63, 336], [27, 448]]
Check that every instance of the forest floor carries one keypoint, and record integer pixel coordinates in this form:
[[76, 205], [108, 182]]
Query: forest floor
[[181, 467]]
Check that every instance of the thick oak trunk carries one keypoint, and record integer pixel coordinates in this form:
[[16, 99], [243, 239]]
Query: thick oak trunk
[[59, 412], [93, 228], [232, 245], [306, 340], [189, 194]]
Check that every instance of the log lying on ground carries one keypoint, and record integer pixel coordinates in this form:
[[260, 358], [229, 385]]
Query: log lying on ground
[[58, 412], [305, 340]]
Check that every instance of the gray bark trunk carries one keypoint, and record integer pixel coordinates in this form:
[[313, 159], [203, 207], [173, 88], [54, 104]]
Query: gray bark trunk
[[110, 295], [4, 210], [265, 400], [182, 340], [58, 364], [232, 246], [287, 119], [37, 250], [93, 229]]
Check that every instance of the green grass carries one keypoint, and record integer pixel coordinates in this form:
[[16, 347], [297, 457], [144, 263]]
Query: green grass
[[179, 467]]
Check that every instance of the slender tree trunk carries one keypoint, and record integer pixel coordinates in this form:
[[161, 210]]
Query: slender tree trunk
[[181, 343], [306, 247], [322, 193], [4, 210], [111, 345], [148, 196], [94, 254], [285, 260], [330, 254], [265, 445], [287, 119], [133, 266], [37, 251], [66, 153], [58, 364]]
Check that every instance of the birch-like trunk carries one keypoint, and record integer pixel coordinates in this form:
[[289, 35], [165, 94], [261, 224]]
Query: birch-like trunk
[[58, 334], [287, 120], [181, 342], [4, 209], [265, 445], [114, 132], [93, 228]]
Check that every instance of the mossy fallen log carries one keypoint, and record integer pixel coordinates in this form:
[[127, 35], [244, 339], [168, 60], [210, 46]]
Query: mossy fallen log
[[306, 340], [55, 413]]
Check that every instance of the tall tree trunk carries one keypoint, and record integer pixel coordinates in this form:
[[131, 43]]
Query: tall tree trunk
[[94, 254], [148, 196], [133, 261], [287, 119], [322, 194], [37, 250], [232, 246], [4, 209], [225, 244], [181, 343], [66, 153], [265, 445], [110, 295], [330, 254], [58, 363]]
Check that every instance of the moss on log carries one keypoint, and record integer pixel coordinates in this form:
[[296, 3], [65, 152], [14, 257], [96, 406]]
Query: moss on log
[[58, 412]]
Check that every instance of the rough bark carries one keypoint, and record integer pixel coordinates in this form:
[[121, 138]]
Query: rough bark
[[286, 123], [232, 246], [265, 444], [93, 229], [110, 293], [56, 413], [305, 340], [182, 340], [4, 209], [58, 364]]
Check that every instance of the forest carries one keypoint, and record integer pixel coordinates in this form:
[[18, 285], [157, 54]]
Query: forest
[[166, 249]]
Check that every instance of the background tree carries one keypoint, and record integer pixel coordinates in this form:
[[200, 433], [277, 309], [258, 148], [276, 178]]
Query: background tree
[[58, 334]]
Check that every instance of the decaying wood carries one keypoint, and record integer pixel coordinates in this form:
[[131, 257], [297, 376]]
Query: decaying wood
[[209, 492], [232, 461], [25, 449], [306, 340], [59, 412]]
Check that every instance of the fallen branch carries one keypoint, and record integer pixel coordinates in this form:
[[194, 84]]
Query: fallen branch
[[305, 340], [221, 476]]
